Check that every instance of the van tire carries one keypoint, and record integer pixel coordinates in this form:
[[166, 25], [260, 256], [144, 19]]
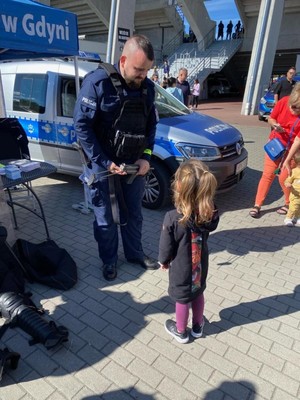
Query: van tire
[[157, 188]]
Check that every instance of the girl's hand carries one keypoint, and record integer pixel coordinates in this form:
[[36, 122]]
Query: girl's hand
[[288, 184]]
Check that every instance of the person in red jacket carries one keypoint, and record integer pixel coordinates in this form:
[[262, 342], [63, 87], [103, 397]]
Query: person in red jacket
[[183, 245], [285, 123]]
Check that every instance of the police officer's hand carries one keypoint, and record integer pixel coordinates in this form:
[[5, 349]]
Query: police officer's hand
[[144, 166], [115, 169]]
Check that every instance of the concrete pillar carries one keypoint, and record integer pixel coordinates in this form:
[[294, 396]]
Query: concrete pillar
[[263, 53], [199, 20], [123, 27]]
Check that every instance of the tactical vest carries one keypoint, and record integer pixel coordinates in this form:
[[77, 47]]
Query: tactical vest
[[126, 138]]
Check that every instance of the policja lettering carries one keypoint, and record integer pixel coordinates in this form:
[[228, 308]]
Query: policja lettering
[[45, 29]]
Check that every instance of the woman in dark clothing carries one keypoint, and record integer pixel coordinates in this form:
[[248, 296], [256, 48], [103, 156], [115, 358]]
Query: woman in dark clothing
[[183, 245]]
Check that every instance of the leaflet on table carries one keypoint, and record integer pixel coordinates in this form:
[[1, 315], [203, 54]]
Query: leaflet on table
[[26, 165]]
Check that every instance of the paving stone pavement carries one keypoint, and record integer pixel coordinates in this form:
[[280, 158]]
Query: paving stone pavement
[[118, 348]]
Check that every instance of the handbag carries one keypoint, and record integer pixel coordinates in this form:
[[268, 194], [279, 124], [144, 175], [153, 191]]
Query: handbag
[[275, 149]]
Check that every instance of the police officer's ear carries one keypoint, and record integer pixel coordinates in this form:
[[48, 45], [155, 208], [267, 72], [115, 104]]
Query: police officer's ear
[[122, 60]]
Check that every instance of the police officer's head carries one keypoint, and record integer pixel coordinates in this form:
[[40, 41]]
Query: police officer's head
[[136, 60]]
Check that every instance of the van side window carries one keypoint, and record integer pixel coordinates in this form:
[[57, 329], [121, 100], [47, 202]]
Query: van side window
[[67, 97], [30, 93]]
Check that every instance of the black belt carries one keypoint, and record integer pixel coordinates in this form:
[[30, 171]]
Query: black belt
[[117, 199]]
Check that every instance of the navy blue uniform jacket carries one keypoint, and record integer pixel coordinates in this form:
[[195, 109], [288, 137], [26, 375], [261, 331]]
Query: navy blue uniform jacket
[[175, 247], [95, 111]]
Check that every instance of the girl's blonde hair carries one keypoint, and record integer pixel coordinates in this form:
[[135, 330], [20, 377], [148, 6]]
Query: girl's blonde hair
[[295, 95], [194, 187]]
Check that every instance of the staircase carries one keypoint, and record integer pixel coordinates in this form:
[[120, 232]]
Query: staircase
[[201, 63]]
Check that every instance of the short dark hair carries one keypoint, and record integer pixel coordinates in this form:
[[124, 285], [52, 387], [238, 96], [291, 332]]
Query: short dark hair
[[144, 44], [171, 81]]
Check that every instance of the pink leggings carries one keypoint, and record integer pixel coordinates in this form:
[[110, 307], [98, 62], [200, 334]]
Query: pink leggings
[[182, 313]]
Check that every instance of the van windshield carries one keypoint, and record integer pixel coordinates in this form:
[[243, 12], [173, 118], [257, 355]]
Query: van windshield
[[167, 105]]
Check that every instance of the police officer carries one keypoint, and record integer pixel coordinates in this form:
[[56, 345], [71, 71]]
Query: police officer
[[115, 121]]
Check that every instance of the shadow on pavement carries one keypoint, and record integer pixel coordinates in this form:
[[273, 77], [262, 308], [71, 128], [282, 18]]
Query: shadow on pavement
[[242, 390], [115, 319], [255, 311], [242, 196], [260, 239], [129, 393]]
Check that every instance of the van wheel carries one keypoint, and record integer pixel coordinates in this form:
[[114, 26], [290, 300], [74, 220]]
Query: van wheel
[[157, 189]]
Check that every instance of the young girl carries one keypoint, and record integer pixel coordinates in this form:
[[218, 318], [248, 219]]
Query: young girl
[[175, 91], [293, 183], [183, 245]]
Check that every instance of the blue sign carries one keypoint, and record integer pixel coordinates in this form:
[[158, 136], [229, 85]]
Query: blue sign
[[29, 29]]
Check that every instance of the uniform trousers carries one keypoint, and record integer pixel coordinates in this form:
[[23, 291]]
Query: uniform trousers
[[106, 230]]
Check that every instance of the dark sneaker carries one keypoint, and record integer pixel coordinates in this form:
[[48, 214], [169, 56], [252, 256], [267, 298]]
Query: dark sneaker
[[146, 262], [109, 272], [170, 327], [197, 330]]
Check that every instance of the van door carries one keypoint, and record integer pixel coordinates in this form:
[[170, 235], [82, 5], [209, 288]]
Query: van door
[[33, 106], [66, 98]]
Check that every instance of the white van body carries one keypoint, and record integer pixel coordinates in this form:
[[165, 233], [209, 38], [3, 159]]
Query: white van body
[[42, 95], [50, 129]]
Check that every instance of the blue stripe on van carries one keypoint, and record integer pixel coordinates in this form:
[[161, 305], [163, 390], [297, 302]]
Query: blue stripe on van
[[49, 132], [64, 134]]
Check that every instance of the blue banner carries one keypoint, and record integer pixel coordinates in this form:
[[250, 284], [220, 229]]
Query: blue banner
[[28, 27]]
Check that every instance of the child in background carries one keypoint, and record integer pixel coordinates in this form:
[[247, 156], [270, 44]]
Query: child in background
[[183, 245], [164, 83], [166, 69], [293, 182], [175, 91]]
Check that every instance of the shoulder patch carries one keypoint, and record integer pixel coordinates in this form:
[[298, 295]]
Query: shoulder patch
[[88, 102]]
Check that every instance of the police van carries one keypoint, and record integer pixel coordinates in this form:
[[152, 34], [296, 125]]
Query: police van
[[42, 95]]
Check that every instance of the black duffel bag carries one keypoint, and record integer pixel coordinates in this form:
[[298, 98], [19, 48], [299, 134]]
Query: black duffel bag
[[47, 263]]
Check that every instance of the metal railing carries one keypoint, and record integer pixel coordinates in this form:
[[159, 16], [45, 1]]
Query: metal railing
[[200, 58], [172, 45], [204, 63]]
